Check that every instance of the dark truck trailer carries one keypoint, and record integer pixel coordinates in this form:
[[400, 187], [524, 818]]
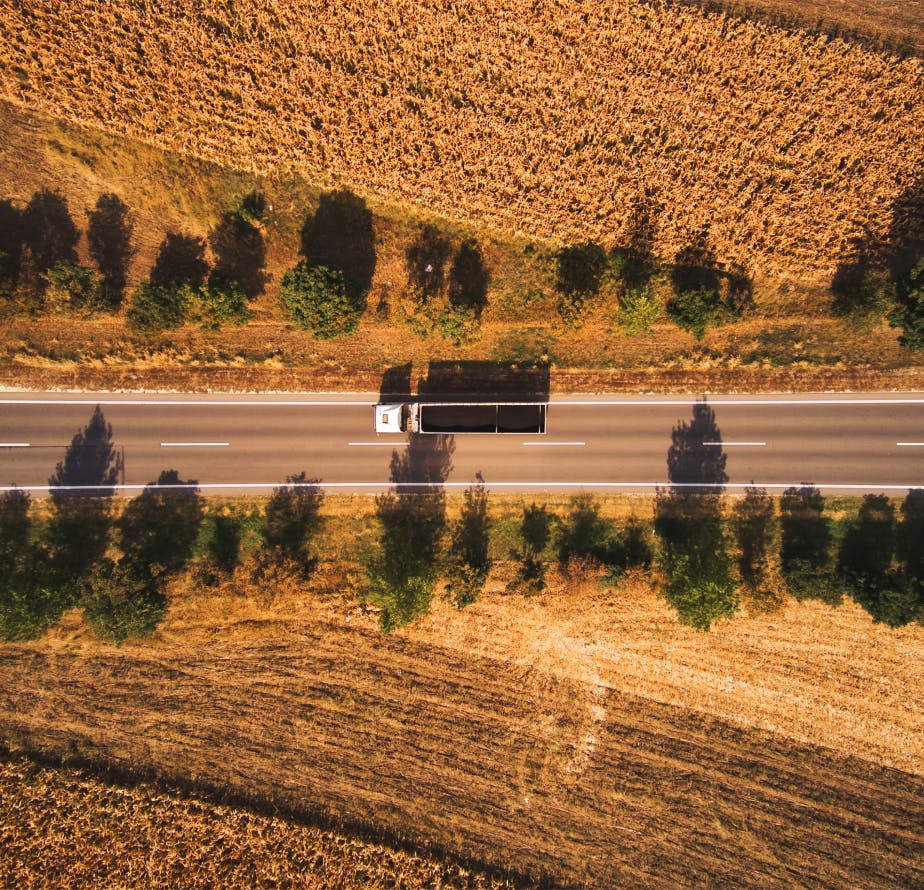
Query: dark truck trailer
[[462, 417]]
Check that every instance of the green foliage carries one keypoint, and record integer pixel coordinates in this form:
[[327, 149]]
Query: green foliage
[[224, 544], [71, 288], [753, 518], [468, 563], [159, 307], [31, 598], [118, 603], [696, 309], [221, 301], [909, 313], [639, 308], [252, 207], [159, 527], [694, 558], [535, 533], [584, 534], [322, 300], [402, 574], [293, 520], [868, 545], [805, 546], [865, 299]]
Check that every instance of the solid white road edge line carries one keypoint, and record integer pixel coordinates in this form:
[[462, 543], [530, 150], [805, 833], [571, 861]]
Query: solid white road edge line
[[737, 444], [15, 445], [910, 444], [398, 443], [139, 486], [554, 443]]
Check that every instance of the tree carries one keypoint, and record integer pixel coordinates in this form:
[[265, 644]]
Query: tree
[[71, 289], [753, 519], [14, 524], [694, 558], [119, 603], [869, 543], [468, 563], [109, 238], [293, 520], [805, 545], [81, 491], [322, 300], [909, 313], [158, 307], [159, 527]]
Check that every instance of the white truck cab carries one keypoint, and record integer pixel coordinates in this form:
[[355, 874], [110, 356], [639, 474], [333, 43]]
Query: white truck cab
[[390, 418]]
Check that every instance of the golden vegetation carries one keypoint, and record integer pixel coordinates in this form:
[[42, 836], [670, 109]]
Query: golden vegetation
[[95, 834], [583, 734], [562, 120]]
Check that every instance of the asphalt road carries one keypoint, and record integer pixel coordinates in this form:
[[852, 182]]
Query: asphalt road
[[854, 443]]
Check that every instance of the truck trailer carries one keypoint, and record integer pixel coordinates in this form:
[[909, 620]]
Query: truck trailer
[[444, 418]]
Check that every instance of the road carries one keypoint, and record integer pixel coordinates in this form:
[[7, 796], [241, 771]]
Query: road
[[851, 443]]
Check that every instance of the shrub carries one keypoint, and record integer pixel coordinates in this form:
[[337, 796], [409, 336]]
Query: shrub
[[322, 300], [71, 288], [118, 603], [156, 307], [221, 301], [805, 546], [697, 309], [468, 562], [909, 315], [639, 308]]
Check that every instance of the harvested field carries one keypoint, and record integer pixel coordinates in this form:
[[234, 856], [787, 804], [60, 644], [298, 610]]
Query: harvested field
[[564, 120], [587, 737], [93, 834]]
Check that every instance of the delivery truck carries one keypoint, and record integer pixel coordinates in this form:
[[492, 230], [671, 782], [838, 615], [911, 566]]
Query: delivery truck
[[444, 418]]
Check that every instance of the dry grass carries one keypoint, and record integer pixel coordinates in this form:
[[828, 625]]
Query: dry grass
[[584, 735], [65, 828], [558, 120]]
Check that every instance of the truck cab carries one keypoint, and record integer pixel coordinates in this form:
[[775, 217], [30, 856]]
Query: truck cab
[[391, 418]]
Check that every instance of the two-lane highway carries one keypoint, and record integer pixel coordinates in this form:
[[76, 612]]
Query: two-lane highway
[[231, 443]]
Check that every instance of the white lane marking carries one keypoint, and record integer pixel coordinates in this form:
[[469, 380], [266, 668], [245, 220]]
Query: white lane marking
[[15, 445], [194, 444], [539, 485], [737, 444], [910, 444], [554, 443], [184, 403], [398, 443]]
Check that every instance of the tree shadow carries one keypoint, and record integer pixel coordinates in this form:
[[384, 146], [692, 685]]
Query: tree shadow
[[806, 559], [874, 271], [635, 260], [240, 252], [180, 260], [696, 267], [49, 232], [10, 242], [340, 235], [396, 383], [81, 489], [484, 381], [579, 269], [426, 260], [424, 465], [469, 278], [109, 236], [695, 459]]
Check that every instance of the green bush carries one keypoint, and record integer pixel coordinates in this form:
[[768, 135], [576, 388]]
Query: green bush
[[221, 301], [696, 309], [639, 308], [909, 315], [468, 562], [71, 288], [159, 307], [118, 603], [323, 300]]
